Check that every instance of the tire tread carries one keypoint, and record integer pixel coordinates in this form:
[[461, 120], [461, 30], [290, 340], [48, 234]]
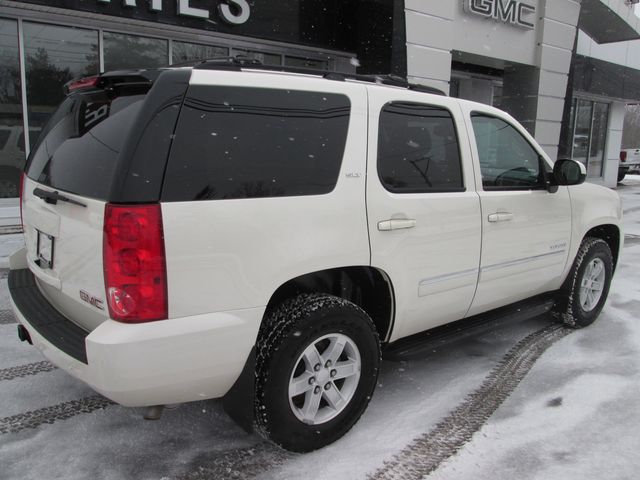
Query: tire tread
[[278, 325], [565, 308]]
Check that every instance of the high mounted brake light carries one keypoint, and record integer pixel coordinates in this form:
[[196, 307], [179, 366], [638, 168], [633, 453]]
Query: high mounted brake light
[[82, 83], [135, 272]]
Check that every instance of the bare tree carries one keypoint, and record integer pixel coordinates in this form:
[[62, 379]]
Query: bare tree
[[631, 132]]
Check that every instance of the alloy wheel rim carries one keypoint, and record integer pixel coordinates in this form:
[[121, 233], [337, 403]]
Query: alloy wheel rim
[[592, 284], [324, 379]]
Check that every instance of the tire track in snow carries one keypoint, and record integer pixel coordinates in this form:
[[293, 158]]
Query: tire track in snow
[[26, 370], [631, 240], [240, 463], [61, 411], [424, 454]]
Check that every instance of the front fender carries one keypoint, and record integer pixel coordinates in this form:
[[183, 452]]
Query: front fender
[[592, 206]]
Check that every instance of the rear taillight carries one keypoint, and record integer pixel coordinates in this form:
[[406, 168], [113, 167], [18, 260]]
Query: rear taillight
[[623, 156], [22, 180], [21, 198], [135, 272]]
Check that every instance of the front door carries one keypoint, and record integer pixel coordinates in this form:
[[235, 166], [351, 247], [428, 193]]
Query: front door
[[526, 228]]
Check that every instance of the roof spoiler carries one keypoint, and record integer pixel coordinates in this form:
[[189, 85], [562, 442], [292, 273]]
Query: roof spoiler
[[119, 78]]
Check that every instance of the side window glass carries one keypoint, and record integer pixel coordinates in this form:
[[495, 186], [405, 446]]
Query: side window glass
[[507, 159], [418, 149]]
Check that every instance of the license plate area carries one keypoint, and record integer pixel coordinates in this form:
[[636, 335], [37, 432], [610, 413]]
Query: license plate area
[[44, 250]]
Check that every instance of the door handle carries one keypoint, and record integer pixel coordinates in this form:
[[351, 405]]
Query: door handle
[[387, 225], [500, 217]]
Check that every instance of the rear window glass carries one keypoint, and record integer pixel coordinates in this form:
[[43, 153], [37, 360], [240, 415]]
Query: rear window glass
[[78, 150], [239, 142]]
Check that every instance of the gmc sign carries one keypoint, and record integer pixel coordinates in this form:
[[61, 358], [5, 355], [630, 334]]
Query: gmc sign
[[513, 12]]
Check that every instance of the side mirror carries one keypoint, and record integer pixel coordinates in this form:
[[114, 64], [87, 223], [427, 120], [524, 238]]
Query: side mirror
[[569, 172]]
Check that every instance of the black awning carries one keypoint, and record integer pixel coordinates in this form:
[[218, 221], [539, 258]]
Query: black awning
[[609, 22]]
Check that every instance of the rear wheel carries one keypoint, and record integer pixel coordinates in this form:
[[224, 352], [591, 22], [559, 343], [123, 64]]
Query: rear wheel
[[585, 291], [316, 369]]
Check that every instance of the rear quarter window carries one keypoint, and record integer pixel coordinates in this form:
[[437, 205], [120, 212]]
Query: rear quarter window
[[241, 142]]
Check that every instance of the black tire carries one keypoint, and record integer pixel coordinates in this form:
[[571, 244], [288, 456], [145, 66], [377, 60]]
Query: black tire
[[283, 337], [569, 307], [621, 175]]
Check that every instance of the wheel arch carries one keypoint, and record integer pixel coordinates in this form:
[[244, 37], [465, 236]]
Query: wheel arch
[[610, 233], [368, 287]]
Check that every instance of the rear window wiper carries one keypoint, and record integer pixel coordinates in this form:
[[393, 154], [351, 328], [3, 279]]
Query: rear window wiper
[[54, 197]]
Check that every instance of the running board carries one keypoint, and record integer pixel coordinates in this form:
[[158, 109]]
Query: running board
[[422, 343]]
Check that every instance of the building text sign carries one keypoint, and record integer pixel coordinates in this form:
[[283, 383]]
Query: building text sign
[[513, 12], [234, 12]]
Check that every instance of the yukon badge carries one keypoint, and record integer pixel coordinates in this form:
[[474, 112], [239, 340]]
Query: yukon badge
[[96, 302]]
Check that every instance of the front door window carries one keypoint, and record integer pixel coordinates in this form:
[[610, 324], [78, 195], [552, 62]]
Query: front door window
[[507, 159]]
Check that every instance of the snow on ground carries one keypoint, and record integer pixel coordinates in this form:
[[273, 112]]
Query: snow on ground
[[8, 245], [575, 415]]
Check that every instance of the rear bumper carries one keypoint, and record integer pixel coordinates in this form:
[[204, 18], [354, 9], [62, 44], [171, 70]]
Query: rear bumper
[[156, 363]]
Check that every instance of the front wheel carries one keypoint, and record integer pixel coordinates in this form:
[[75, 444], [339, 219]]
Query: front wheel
[[316, 369], [585, 292]]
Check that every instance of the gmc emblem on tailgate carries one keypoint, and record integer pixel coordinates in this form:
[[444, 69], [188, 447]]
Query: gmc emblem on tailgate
[[92, 300]]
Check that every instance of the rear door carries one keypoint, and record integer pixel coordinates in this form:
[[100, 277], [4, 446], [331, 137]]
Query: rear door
[[423, 211], [69, 177], [526, 228]]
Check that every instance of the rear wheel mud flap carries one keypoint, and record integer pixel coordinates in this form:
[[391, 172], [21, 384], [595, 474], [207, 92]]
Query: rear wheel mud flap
[[239, 400]]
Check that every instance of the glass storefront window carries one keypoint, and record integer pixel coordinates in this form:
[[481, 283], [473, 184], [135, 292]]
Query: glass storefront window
[[597, 148], [187, 52], [12, 144], [53, 56], [12, 154], [264, 58], [122, 51], [497, 95], [306, 63], [581, 131], [588, 126]]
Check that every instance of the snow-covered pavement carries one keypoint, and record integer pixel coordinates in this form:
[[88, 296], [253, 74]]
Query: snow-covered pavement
[[574, 415], [577, 414]]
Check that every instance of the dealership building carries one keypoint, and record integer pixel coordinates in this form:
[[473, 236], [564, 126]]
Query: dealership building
[[564, 68]]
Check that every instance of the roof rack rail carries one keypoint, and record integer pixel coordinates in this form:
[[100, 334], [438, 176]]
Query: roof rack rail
[[242, 62], [234, 62], [398, 81]]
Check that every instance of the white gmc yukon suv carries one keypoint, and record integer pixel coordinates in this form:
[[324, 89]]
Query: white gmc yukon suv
[[235, 231]]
